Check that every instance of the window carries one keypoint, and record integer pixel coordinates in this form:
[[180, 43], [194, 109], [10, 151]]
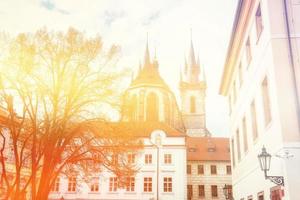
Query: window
[[238, 144], [258, 21], [248, 51], [167, 158], [253, 119], [72, 184], [167, 106], [200, 169], [213, 169], [189, 191], [201, 191], [188, 169], [95, 184], [167, 184], [232, 152], [245, 135], [148, 159], [147, 184], [133, 108], [266, 101], [228, 169], [55, 186], [113, 184], [130, 184], [192, 104], [131, 158], [152, 107], [214, 191]]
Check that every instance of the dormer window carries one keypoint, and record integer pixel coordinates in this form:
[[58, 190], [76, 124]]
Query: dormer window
[[192, 149], [211, 149]]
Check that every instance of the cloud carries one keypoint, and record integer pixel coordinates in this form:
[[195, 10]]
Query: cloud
[[155, 15], [112, 16], [48, 4]]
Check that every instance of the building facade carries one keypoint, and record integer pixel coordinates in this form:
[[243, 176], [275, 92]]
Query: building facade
[[261, 80], [208, 167], [151, 113]]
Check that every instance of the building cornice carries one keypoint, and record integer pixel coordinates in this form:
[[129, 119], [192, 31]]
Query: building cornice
[[241, 22]]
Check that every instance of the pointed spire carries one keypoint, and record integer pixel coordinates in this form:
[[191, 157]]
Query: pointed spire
[[191, 59], [147, 55]]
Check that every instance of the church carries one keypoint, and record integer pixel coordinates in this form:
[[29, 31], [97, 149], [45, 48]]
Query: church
[[150, 107]]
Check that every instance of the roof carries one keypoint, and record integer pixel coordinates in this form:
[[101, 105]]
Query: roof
[[207, 149], [149, 76], [134, 129]]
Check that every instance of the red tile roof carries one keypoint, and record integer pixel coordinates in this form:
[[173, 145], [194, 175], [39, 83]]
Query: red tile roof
[[134, 129], [207, 149], [144, 129]]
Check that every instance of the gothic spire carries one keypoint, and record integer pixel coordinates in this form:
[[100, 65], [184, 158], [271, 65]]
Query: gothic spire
[[147, 55], [191, 58]]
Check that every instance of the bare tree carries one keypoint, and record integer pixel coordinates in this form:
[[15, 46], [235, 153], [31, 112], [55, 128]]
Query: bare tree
[[55, 90]]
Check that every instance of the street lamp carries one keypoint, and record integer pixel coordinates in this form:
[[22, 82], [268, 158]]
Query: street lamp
[[227, 190], [264, 162]]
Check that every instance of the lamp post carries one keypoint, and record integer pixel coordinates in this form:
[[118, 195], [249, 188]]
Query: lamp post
[[264, 162], [227, 190]]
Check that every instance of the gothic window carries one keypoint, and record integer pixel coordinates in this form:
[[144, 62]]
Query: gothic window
[[167, 108], [152, 107], [133, 108], [192, 104]]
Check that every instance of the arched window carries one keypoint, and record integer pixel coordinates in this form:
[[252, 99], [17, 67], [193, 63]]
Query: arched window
[[167, 108], [192, 104], [152, 107], [133, 108]]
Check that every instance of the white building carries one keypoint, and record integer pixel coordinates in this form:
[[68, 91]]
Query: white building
[[261, 79], [151, 112]]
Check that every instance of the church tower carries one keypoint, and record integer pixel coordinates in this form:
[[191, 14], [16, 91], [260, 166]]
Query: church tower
[[192, 88]]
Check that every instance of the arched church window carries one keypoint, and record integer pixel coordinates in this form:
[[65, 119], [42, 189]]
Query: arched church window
[[167, 108], [192, 104], [133, 107], [152, 107]]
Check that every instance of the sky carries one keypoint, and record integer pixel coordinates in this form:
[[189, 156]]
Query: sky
[[127, 22]]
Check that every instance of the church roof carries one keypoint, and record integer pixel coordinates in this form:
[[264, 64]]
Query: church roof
[[135, 129], [149, 77], [207, 149], [144, 129], [148, 74]]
